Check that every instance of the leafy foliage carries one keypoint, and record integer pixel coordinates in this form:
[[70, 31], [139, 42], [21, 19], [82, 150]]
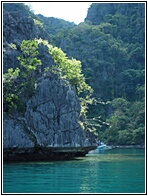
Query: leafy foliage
[[11, 99], [38, 23], [21, 84], [111, 46], [126, 124], [55, 25], [28, 59], [70, 69]]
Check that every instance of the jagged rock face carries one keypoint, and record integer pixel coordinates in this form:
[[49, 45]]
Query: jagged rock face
[[10, 58], [51, 118], [14, 135], [53, 114], [17, 27], [98, 12]]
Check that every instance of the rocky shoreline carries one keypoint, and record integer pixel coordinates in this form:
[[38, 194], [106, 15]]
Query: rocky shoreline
[[44, 154], [52, 153]]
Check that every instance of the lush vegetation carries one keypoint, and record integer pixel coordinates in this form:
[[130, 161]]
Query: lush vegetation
[[70, 69], [19, 84], [50, 23], [110, 46]]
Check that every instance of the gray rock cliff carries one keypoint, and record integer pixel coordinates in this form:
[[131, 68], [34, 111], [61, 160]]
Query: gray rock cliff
[[50, 126], [51, 121], [53, 114]]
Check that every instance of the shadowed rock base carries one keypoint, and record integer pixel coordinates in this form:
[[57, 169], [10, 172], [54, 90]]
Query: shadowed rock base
[[45, 154]]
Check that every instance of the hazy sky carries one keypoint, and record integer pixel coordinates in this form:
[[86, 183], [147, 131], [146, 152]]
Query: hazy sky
[[70, 11]]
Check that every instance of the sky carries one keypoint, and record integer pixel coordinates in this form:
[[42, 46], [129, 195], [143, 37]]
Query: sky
[[70, 11]]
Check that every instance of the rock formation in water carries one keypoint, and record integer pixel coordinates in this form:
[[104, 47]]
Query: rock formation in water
[[51, 120], [49, 128]]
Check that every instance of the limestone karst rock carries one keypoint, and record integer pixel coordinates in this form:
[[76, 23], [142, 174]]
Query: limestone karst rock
[[50, 123]]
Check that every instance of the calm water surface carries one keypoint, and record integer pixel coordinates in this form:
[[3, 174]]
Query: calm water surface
[[112, 171]]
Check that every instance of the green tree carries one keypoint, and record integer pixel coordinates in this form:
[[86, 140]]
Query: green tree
[[11, 97], [30, 63], [28, 58], [17, 84], [70, 70], [126, 125]]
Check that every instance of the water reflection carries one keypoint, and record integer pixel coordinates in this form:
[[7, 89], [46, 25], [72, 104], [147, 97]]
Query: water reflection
[[112, 171], [109, 172]]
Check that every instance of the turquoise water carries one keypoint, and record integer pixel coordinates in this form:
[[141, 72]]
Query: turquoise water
[[112, 171]]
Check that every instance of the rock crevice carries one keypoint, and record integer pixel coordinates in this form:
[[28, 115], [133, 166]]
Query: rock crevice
[[51, 120]]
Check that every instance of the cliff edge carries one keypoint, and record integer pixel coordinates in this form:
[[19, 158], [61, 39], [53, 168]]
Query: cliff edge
[[49, 129]]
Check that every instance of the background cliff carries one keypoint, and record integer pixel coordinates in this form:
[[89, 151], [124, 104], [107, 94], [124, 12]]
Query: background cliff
[[111, 46]]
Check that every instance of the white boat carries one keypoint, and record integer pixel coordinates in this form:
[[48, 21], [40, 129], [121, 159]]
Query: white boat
[[103, 147], [100, 148]]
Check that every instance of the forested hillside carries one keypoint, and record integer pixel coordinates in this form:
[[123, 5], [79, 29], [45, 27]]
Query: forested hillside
[[110, 44], [50, 23]]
